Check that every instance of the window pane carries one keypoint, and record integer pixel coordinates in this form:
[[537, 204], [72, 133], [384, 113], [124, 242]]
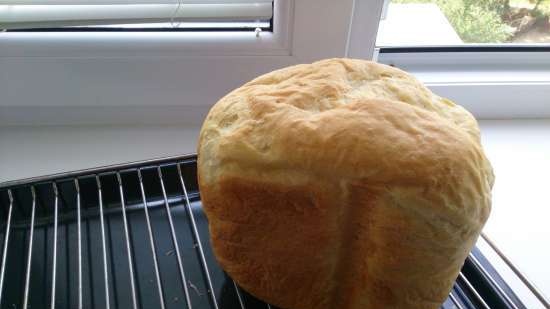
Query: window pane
[[459, 22]]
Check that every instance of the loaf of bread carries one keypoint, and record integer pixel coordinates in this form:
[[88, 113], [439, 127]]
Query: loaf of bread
[[342, 184]]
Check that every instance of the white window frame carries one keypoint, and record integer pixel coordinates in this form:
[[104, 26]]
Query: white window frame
[[510, 83], [97, 44], [167, 77]]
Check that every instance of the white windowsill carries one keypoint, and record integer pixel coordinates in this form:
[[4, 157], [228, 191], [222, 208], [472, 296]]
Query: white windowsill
[[519, 151], [28, 151]]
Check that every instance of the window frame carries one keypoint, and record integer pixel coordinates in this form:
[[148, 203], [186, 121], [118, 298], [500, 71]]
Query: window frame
[[153, 42], [293, 32], [114, 78], [512, 81]]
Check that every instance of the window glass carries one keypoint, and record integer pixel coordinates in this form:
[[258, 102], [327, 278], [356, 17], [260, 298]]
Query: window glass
[[459, 22]]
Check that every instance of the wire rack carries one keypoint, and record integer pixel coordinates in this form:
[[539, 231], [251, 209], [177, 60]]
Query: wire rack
[[134, 236]]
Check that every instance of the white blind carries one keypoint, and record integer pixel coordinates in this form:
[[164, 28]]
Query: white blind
[[20, 14]]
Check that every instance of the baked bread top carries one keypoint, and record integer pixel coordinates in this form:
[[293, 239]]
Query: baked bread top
[[353, 119]]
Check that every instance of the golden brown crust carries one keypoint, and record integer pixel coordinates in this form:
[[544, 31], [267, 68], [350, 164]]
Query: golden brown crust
[[342, 184]]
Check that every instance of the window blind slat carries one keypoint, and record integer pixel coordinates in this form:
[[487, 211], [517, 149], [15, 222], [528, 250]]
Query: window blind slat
[[36, 16], [110, 2]]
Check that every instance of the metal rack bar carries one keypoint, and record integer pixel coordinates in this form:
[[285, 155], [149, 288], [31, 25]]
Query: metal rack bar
[[151, 241], [455, 301], [464, 296], [474, 291], [29, 257], [96, 170], [174, 239], [127, 238], [478, 264], [103, 243], [79, 244], [5, 249], [239, 297], [538, 294], [198, 243], [54, 262]]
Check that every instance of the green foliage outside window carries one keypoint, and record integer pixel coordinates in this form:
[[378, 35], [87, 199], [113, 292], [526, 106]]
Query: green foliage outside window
[[488, 21]]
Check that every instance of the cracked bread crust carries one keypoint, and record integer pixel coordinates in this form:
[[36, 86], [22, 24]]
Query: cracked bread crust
[[342, 184]]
